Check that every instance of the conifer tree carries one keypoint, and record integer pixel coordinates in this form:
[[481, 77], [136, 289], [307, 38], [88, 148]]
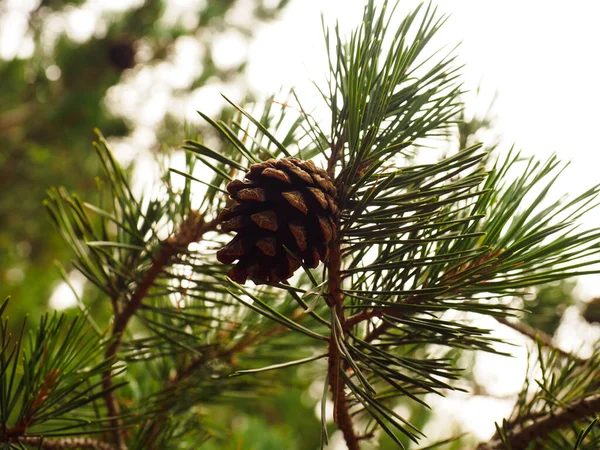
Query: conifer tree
[[317, 251]]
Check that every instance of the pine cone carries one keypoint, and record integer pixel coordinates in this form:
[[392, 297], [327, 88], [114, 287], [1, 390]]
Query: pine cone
[[591, 313], [286, 203], [122, 54]]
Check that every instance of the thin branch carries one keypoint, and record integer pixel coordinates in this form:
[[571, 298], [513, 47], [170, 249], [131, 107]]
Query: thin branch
[[537, 335], [85, 443], [449, 279], [361, 317], [522, 436], [191, 231], [335, 300], [376, 332], [17, 116], [380, 329], [46, 388], [334, 157], [228, 353]]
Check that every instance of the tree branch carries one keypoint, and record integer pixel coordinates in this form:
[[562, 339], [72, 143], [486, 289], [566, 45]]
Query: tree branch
[[226, 354], [377, 312], [335, 301], [17, 116], [191, 230], [334, 157], [85, 443], [522, 436], [469, 272], [361, 317], [537, 335]]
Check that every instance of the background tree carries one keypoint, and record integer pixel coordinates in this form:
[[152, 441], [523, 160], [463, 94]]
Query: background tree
[[413, 254], [54, 94]]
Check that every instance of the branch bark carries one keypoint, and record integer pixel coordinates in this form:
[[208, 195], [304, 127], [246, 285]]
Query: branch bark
[[335, 300], [522, 436], [334, 157], [85, 443], [191, 231], [380, 329]]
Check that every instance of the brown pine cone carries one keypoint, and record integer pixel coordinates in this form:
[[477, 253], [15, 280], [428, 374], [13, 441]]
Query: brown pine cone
[[288, 203]]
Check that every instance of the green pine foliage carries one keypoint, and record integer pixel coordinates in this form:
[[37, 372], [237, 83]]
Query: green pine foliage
[[421, 251], [550, 405], [50, 381]]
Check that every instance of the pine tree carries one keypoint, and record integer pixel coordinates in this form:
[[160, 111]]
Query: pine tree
[[374, 268]]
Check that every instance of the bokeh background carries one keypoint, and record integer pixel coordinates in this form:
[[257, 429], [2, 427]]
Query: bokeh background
[[139, 70]]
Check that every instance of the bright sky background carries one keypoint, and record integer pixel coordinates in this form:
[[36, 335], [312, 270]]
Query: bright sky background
[[541, 57]]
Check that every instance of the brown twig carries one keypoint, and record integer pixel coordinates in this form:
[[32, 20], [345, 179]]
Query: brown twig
[[64, 443], [191, 231], [522, 436], [17, 116], [537, 335], [45, 390], [228, 353], [335, 301], [361, 317], [380, 329], [476, 270], [334, 157]]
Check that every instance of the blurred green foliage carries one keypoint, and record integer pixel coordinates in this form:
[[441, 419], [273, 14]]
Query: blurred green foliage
[[51, 101], [547, 306]]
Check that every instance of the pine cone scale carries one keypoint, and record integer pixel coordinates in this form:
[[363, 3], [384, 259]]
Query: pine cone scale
[[319, 196], [299, 234], [256, 194], [232, 251], [277, 174], [296, 200], [267, 220], [267, 245], [304, 176], [326, 228], [236, 223]]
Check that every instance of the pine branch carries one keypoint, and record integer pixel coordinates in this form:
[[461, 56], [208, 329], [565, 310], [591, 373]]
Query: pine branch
[[414, 241], [335, 301], [537, 336], [200, 361], [228, 354], [191, 230], [64, 443], [380, 329], [223, 354], [334, 157], [522, 436]]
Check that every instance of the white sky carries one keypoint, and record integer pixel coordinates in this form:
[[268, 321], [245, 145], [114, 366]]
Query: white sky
[[541, 56]]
